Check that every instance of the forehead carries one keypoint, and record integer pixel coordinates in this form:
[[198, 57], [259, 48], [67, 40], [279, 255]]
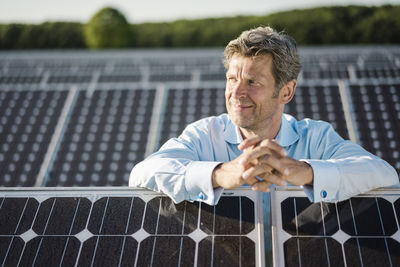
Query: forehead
[[251, 65]]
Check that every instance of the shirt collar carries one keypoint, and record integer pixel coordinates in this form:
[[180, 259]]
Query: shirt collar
[[287, 134], [232, 133]]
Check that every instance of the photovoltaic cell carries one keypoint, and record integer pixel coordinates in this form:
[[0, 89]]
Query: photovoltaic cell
[[126, 227], [361, 231]]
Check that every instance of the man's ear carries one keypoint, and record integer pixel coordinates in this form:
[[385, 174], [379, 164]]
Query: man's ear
[[287, 91]]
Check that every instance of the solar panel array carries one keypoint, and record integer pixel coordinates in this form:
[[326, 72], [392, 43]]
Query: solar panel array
[[126, 227], [84, 119], [361, 231], [105, 135]]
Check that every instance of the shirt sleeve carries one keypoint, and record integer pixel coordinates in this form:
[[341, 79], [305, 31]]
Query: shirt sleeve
[[343, 169], [179, 170]]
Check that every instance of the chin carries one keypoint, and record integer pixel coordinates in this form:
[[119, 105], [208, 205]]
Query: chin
[[241, 122]]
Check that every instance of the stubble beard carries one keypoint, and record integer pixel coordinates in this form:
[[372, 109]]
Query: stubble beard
[[241, 120]]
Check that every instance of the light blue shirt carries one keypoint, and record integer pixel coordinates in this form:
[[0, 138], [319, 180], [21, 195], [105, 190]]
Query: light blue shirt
[[183, 167]]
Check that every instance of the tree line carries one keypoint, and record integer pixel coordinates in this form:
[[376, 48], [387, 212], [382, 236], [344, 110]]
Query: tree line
[[108, 28]]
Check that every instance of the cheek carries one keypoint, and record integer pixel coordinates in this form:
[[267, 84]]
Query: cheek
[[227, 92]]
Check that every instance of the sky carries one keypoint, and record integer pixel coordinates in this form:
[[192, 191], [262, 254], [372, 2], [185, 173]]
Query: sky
[[37, 11]]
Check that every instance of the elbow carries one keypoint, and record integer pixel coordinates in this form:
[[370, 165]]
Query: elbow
[[393, 177], [134, 176]]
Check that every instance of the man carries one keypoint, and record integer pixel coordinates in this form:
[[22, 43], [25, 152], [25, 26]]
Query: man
[[256, 143]]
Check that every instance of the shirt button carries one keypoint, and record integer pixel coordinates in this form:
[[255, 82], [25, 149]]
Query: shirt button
[[202, 196], [323, 194]]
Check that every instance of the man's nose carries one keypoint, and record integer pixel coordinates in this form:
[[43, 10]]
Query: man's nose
[[239, 90]]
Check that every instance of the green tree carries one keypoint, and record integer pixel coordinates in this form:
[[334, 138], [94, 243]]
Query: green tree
[[108, 29], [9, 35]]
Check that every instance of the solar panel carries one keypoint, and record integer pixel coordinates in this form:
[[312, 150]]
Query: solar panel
[[377, 114], [319, 103], [185, 106], [27, 123], [361, 231], [123, 226], [106, 135]]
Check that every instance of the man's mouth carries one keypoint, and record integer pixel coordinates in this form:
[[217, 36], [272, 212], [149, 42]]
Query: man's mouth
[[241, 106]]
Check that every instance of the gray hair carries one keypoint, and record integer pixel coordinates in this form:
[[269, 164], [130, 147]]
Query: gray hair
[[265, 40]]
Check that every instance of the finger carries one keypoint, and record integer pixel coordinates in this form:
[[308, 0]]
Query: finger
[[266, 174], [249, 142], [251, 156], [276, 164], [260, 157], [261, 186], [250, 180], [257, 170], [273, 145], [265, 147], [274, 179]]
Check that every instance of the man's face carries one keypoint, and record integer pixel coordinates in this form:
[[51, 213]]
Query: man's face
[[249, 92]]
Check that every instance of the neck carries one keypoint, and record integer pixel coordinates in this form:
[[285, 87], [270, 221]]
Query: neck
[[268, 132]]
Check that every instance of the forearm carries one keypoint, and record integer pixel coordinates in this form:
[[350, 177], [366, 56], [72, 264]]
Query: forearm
[[180, 179], [340, 179]]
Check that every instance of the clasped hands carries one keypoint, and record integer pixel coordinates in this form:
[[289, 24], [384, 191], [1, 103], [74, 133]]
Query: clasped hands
[[263, 163]]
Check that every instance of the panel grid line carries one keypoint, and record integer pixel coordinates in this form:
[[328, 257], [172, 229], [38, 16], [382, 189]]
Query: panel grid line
[[101, 228], [48, 219], [2, 201], [340, 228], [356, 232], [240, 231], [73, 219], [95, 249], [44, 232], [213, 239], [86, 227], [69, 232], [325, 241], [126, 232], [129, 216], [65, 249], [122, 251], [383, 231], [395, 217], [182, 231], [37, 251], [155, 236], [22, 253], [23, 249], [22, 214], [196, 250], [141, 227], [297, 231], [104, 215], [8, 250]]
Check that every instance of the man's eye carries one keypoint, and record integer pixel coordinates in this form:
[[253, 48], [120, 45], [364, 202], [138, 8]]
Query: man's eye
[[252, 81]]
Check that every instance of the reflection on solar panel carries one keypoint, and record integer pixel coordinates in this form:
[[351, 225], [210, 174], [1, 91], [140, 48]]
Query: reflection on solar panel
[[128, 227], [361, 231]]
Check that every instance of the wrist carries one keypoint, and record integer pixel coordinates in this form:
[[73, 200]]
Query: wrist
[[214, 176], [309, 174]]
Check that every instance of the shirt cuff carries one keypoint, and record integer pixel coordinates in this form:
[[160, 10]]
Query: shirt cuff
[[326, 181], [198, 182]]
